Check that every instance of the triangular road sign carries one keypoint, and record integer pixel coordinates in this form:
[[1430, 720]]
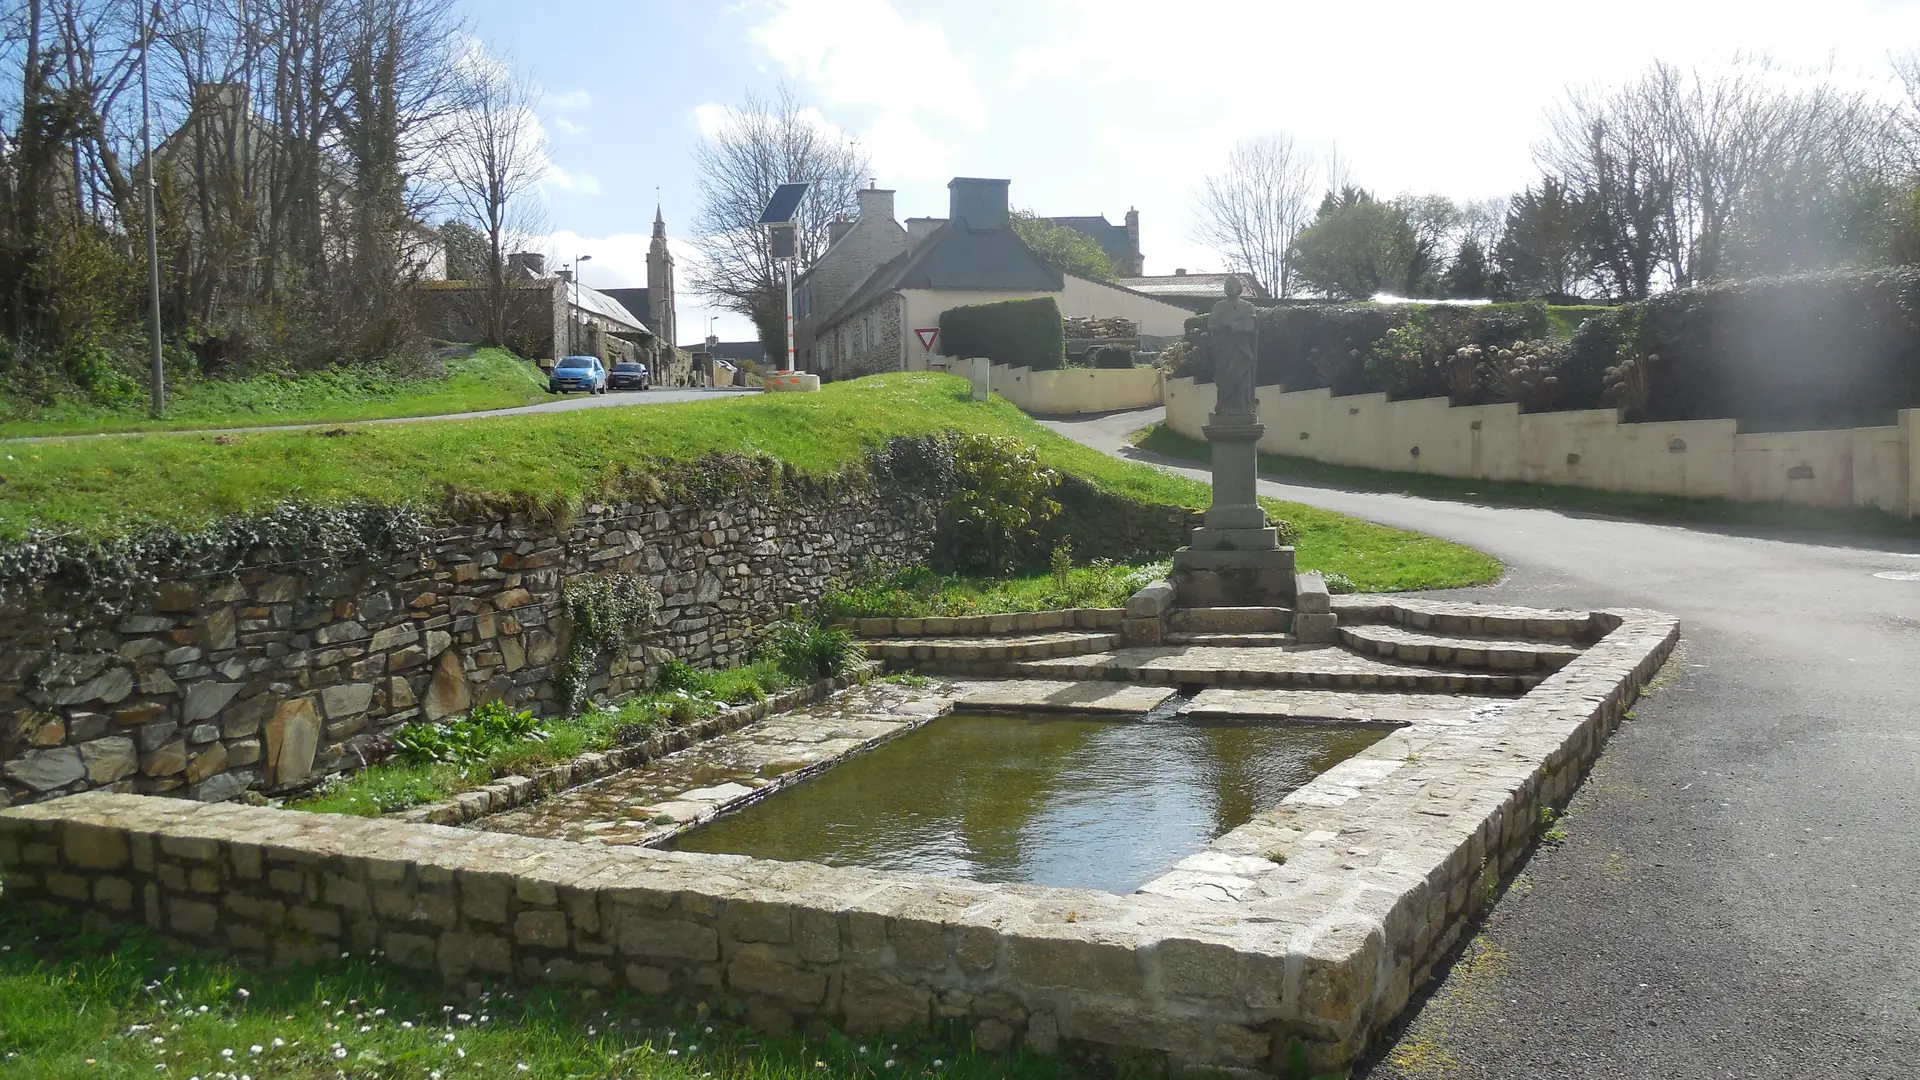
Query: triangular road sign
[[927, 337]]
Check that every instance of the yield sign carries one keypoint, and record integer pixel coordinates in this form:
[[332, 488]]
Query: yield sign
[[927, 337]]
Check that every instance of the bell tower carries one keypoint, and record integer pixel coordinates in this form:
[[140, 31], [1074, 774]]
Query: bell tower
[[660, 283]]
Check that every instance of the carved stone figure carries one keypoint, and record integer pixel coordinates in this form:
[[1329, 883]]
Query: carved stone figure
[[1233, 332]]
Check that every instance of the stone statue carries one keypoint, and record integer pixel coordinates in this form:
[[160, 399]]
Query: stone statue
[[1233, 333]]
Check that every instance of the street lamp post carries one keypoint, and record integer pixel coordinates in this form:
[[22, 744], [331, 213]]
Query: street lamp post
[[573, 317]]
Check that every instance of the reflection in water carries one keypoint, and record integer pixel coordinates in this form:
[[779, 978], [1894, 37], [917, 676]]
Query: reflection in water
[[1067, 802]]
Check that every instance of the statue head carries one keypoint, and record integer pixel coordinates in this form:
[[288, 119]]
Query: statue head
[[1233, 286]]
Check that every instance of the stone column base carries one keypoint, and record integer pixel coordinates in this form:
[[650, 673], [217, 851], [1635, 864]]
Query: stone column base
[[1230, 578]]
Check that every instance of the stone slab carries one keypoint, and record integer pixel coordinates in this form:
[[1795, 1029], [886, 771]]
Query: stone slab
[[1046, 695], [1444, 710]]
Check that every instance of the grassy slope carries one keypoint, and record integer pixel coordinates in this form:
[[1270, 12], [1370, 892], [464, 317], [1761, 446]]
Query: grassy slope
[[99, 486], [490, 379], [1624, 504], [70, 1002]]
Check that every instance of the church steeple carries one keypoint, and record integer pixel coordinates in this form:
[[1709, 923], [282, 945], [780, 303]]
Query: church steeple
[[660, 281]]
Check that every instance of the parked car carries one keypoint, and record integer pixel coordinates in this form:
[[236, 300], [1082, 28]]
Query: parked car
[[629, 375], [578, 373]]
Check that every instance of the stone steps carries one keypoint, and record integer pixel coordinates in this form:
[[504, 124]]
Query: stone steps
[[1424, 647], [1253, 640], [1174, 673], [940, 653], [1231, 620]]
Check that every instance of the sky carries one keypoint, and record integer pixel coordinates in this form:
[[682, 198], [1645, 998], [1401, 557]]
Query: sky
[[1098, 106]]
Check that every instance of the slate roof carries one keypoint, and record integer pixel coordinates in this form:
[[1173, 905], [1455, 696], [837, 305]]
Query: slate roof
[[1196, 291], [1112, 238], [956, 257], [599, 303]]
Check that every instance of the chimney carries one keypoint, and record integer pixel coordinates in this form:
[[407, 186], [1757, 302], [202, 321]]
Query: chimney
[[919, 228], [1133, 228], [836, 229], [564, 275], [1182, 272], [875, 203], [526, 264], [981, 204]]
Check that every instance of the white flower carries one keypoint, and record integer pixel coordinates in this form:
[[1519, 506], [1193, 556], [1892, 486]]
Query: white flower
[[937, 1063], [339, 1053], [379, 1012], [242, 993], [448, 1037], [459, 1052], [278, 1043], [256, 1048], [889, 1063], [227, 1053], [406, 1025]]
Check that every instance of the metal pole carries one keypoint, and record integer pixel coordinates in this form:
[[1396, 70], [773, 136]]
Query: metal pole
[[573, 325], [158, 359], [790, 366]]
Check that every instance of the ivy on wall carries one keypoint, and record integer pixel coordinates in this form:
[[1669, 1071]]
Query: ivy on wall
[[608, 614]]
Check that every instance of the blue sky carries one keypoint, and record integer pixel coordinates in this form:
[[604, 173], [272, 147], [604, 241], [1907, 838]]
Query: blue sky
[[1095, 106]]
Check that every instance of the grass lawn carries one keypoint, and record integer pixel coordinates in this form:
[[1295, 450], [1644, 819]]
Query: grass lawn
[[77, 1003], [103, 486], [916, 593], [489, 379], [1159, 439]]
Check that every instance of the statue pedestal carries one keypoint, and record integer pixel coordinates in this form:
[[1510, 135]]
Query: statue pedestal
[[1235, 559]]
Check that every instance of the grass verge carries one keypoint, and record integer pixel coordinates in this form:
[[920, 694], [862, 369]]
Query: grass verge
[[81, 1003], [99, 487], [917, 592], [489, 379], [1159, 439]]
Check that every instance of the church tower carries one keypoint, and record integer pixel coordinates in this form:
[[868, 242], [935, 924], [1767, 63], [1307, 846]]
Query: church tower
[[660, 283]]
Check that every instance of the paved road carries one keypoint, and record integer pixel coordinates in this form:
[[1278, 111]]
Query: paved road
[[1739, 893], [567, 403]]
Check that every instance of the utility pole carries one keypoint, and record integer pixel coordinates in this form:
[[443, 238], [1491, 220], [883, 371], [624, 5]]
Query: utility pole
[[157, 359], [573, 317]]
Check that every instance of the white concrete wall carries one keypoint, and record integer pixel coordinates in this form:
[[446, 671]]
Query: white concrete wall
[[921, 308], [1076, 390], [1877, 466]]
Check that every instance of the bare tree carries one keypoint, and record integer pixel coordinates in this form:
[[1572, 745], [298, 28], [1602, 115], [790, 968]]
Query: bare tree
[[1252, 212], [496, 159], [766, 142]]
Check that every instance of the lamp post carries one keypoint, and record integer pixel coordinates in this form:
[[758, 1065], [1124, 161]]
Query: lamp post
[[782, 211], [573, 319], [157, 360]]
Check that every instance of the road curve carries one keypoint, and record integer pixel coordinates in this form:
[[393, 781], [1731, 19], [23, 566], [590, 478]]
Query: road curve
[[1739, 891], [567, 403]]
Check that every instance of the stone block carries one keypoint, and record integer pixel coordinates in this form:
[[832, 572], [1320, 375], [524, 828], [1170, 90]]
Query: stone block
[[448, 694], [1321, 629], [194, 918], [93, 847], [347, 700], [207, 762], [750, 920], [542, 929], [293, 737], [1310, 593], [873, 1001], [640, 934], [462, 953], [1141, 633], [1077, 965], [414, 951], [165, 760], [648, 980], [760, 969], [206, 698], [46, 770]]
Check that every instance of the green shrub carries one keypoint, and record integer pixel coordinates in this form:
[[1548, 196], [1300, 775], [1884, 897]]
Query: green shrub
[[1001, 497], [607, 614], [466, 740], [805, 649], [1019, 333], [1112, 356]]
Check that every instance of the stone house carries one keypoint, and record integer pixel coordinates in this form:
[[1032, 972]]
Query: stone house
[[971, 257], [855, 250], [548, 316], [1120, 243]]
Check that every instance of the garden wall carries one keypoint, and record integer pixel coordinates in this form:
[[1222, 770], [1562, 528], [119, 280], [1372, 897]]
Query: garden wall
[[1876, 466], [1077, 390]]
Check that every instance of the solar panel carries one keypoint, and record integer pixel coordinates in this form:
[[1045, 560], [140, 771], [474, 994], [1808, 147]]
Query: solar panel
[[784, 205]]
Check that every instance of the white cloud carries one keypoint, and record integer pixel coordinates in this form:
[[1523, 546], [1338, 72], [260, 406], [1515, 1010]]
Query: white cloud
[[865, 56], [569, 126], [571, 99], [559, 179]]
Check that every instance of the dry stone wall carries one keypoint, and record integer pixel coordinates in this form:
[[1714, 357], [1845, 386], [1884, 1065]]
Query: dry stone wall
[[279, 673]]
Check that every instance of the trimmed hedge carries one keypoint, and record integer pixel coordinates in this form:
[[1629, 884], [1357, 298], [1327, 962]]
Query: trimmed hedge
[[1828, 350], [1018, 333], [1112, 356]]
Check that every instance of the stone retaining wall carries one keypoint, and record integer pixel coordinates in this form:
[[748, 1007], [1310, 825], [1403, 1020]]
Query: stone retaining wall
[[279, 673]]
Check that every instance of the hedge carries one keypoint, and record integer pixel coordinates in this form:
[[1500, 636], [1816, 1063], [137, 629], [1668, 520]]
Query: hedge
[[1018, 333], [1834, 349]]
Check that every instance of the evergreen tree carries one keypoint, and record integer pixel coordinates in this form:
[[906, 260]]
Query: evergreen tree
[[1357, 247], [1466, 278], [1545, 249]]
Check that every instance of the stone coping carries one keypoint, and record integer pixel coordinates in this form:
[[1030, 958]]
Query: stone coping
[[1469, 619], [1315, 921], [1018, 622], [509, 792]]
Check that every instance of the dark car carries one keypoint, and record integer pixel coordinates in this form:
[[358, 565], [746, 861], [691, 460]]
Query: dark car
[[629, 375], [578, 373]]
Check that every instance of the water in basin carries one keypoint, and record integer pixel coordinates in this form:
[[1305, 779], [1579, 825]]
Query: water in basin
[[1047, 800]]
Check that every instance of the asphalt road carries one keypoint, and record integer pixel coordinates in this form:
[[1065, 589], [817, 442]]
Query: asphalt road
[[612, 399], [1739, 891]]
